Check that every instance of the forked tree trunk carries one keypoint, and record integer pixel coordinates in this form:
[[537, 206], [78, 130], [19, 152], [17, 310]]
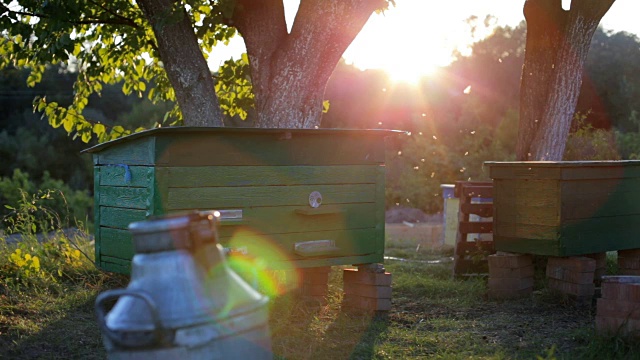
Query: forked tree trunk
[[556, 49], [184, 62], [289, 71]]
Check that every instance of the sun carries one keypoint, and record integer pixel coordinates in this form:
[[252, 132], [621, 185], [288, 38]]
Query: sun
[[409, 41]]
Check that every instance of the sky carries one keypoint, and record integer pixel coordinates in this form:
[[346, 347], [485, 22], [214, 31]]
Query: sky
[[416, 37]]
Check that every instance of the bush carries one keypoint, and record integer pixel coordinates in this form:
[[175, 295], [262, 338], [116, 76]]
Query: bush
[[589, 143], [46, 206]]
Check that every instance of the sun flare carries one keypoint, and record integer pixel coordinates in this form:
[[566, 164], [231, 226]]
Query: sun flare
[[409, 41]]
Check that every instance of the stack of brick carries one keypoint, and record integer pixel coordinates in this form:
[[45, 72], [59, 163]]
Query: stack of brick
[[315, 283], [629, 262], [510, 275], [601, 265], [367, 289], [618, 310], [572, 276]]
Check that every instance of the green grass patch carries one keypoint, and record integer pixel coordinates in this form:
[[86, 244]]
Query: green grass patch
[[46, 312]]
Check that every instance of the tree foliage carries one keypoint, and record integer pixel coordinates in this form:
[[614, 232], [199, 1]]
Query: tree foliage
[[158, 48]]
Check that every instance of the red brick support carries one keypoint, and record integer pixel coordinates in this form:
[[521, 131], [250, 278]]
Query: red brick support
[[601, 265], [572, 276], [315, 283], [618, 310], [629, 262], [510, 275], [367, 288]]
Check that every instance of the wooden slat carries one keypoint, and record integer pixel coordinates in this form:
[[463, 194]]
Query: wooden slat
[[600, 234], [476, 192], [116, 175], [474, 246], [279, 247], [525, 231], [268, 149], [209, 176], [116, 243], [483, 210], [120, 218], [468, 227], [528, 246], [230, 197], [273, 220], [125, 197], [135, 152], [457, 190]]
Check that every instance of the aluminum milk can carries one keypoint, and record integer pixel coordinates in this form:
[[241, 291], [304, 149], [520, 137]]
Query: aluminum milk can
[[183, 301]]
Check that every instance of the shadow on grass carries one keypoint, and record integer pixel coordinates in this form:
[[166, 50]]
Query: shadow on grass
[[308, 330], [70, 333]]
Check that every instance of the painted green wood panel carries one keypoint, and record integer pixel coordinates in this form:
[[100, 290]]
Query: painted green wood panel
[[599, 198], [349, 242], [380, 210], [600, 234], [607, 171], [160, 192], [116, 175], [525, 231], [120, 218], [332, 261], [527, 246], [199, 149], [96, 213], [235, 197], [273, 220], [116, 265], [135, 152], [125, 197], [116, 243], [208, 176]]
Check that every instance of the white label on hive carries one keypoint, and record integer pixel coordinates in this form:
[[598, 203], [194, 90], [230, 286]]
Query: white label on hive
[[315, 199]]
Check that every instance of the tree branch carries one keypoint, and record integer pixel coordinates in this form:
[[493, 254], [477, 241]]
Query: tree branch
[[121, 21]]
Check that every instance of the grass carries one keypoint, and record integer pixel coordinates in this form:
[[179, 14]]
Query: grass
[[433, 317]]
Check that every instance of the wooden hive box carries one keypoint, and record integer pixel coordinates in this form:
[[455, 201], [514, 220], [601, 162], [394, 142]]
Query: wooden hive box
[[566, 208], [265, 181]]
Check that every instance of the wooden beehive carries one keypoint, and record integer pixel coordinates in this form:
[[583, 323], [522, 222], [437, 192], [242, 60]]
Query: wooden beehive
[[566, 208], [316, 196]]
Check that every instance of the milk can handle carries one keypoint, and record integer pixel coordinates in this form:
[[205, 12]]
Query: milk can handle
[[115, 336]]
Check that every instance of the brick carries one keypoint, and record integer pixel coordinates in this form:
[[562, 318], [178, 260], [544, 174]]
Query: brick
[[366, 303], [632, 272], [617, 326], [579, 290], [599, 273], [600, 258], [618, 309], [510, 283], [629, 253], [621, 291], [629, 263], [511, 261], [371, 291], [567, 275], [498, 272], [574, 263], [365, 277], [315, 289], [315, 277]]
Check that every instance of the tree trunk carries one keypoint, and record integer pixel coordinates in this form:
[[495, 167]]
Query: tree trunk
[[557, 45], [289, 71], [184, 62]]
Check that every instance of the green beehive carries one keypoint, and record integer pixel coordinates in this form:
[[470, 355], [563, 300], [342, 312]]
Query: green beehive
[[566, 208], [316, 197]]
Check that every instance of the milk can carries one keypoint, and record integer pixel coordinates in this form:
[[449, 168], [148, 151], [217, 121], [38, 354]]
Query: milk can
[[183, 301]]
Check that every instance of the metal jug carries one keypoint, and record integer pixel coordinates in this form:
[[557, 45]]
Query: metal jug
[[183, 301]]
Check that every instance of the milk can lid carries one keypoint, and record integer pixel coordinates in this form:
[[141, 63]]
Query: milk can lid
[[171, 232]]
